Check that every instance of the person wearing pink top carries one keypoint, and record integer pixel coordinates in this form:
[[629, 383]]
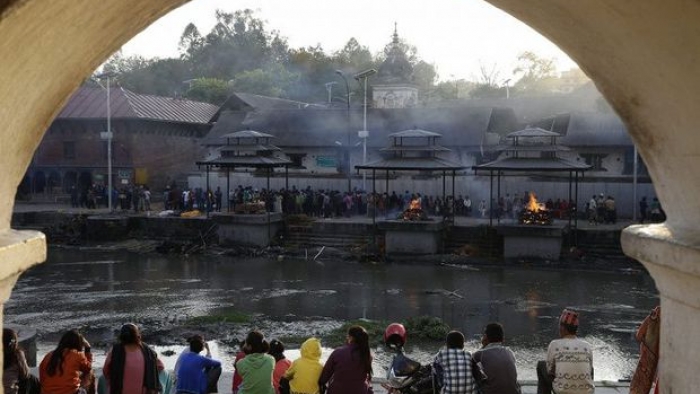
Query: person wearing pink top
[[131, 366]]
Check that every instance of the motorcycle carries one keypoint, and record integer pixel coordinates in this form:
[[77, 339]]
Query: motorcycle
[[404, 375]]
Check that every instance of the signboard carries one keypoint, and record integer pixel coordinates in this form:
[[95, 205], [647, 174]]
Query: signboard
[[106, 135], [124, 174], [326, 161]]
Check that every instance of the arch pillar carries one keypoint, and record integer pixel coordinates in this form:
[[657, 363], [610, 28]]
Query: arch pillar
[[643, 57]]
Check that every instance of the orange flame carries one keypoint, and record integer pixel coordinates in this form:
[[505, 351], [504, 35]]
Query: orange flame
[[415, 204], [533, 205]]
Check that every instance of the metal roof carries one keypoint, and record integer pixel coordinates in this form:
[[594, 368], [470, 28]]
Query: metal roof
[[414, 164], [532, 148], [90, 102], [404, 148], [532, 132], [533, 164], [248, 134], [245, 161], [248, 148], [414, 133]]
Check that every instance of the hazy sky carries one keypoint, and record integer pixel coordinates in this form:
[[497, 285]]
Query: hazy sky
[[457, 36]]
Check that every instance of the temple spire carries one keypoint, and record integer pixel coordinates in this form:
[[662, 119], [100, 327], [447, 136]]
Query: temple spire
[[396, 34]]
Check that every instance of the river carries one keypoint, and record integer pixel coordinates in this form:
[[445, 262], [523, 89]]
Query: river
[[85, 289]]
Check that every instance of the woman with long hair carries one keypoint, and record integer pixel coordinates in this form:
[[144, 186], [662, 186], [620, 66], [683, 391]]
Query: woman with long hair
[[349, 368], [131, 367], [257, 366], [15, 369], [68, 368]]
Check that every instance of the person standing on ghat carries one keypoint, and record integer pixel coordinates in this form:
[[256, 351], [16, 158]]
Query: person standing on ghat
[[569, 365]]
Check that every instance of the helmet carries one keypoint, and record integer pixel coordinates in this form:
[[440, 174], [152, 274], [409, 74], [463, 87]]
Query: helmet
[[395, 335]]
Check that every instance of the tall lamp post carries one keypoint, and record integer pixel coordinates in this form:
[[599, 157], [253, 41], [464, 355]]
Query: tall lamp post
[[107, 135], [347, 145], [364, 133]]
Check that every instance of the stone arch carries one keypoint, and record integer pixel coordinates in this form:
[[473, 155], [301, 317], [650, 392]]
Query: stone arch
[[641, 55]]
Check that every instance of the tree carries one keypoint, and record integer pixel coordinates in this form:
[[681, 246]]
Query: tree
[[275, 81], [210, 90], [538, 75], [487, 86], [191, 42]]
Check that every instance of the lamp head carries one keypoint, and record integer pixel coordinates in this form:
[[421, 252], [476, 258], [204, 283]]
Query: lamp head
[[365, 74]]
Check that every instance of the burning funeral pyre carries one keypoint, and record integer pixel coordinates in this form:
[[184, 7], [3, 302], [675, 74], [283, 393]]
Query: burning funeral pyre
[[414, 211], [535, 213]]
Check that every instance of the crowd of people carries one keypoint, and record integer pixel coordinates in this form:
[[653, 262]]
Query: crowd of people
[[327, 203], [261, 367]]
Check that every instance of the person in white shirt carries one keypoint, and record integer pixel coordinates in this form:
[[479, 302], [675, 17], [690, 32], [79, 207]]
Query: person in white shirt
[[569, 365]]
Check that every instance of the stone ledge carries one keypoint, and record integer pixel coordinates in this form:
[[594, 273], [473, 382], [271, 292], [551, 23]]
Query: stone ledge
[[20, 250], [671, 257]]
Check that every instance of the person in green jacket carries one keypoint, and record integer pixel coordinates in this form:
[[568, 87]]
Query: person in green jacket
[[304, 373], [257, 366]]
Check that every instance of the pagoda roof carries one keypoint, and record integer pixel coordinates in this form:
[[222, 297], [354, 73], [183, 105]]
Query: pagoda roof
[[412, 164], [523, 164]]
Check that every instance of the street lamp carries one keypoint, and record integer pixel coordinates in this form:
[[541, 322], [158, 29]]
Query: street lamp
[[364, 133], [347, 147], [507, 81], [107, 135], [329, 88]]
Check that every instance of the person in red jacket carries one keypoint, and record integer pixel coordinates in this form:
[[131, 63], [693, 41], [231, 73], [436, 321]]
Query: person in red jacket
[[68, 368]]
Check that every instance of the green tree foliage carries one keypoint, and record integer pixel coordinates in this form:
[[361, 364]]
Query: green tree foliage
[[537, 75], [210, 90], [274, 81]]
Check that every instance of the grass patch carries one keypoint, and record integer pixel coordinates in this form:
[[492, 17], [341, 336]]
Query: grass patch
[[427, 327], [232, 317], [375, 329]]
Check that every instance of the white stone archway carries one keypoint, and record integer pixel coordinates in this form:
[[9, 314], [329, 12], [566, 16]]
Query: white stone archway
[[642, 55]]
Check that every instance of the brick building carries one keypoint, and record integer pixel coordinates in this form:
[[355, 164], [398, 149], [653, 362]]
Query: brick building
[[156, 141]]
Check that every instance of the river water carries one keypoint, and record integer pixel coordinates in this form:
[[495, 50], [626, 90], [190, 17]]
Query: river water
[[91, 288]]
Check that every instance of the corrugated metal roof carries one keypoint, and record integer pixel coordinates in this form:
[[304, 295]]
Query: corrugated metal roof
[[533, 164], [314, 127], [170, 109], [596, 129], [90, 102], [414, 133], [533, 132], [413, 164], [248, 134], [245, 161]]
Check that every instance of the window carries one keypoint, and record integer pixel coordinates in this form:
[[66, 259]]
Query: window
[[69, 150], [297, 160], [594, 160]]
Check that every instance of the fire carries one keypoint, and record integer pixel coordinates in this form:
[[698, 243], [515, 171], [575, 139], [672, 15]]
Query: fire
[[533, 205], [415, 204]]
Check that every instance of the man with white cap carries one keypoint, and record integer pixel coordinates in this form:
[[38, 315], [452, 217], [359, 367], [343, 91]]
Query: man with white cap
[[569, 365]]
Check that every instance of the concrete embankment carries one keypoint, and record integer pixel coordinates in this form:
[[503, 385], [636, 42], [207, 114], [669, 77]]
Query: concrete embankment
[[469, 240]]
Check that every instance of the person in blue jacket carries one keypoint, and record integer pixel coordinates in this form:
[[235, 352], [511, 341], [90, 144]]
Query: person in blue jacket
[[192, 377]]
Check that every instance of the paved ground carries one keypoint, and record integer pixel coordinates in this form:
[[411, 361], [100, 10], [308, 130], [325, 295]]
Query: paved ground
[[459, 220]]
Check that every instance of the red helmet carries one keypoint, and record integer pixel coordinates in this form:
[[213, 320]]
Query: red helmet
[[395, 335]]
